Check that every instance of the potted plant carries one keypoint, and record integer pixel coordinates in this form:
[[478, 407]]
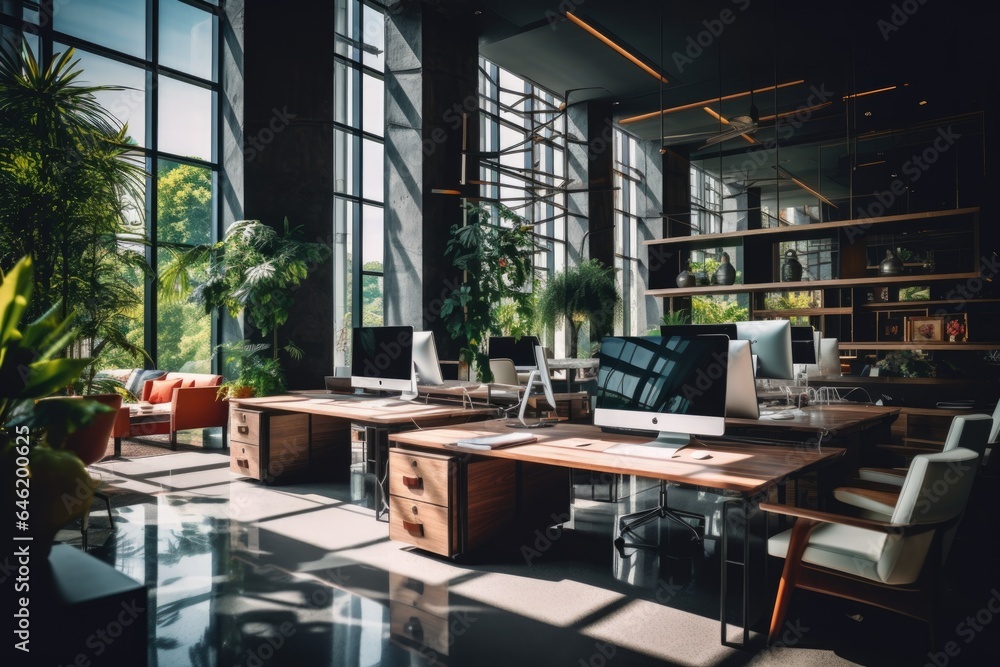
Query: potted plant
[[496, 265], [586, 292], [254, 269], [47, 486], [256, 374]]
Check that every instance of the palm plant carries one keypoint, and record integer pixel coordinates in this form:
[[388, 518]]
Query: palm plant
[[71, 190], [586, 292]]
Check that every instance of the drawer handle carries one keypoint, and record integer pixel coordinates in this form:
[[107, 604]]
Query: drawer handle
[[413, 628], [413, 482], [414, 585], [243, 429], [413, 527], [243, 463]]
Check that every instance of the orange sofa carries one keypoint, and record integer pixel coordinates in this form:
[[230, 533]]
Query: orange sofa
[[195, 404]]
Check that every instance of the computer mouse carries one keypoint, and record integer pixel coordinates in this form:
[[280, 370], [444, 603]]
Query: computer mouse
[[700, 455], [782, 415]]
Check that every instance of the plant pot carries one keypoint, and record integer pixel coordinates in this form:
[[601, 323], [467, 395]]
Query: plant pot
[[791, 269]]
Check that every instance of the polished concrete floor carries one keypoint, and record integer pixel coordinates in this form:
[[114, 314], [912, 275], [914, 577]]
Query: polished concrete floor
[[241, 573]]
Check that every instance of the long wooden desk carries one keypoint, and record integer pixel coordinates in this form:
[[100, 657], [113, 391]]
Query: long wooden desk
[[281, 435], [741, 470]]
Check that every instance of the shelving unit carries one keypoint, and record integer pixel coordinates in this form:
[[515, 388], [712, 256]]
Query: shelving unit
[[855, 299]]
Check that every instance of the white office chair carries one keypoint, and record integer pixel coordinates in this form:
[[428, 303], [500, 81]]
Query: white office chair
[[505, 389], [893, 564], [874, 494], [504, 372]]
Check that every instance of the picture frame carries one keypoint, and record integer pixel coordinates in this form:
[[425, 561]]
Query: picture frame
[[925, 329], [956, 327], [891, 329]]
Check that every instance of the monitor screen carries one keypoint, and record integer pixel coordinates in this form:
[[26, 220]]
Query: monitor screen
[[673, 385], [425, 359], [771, 343], [803, 345], [382, 358], [519, 350]]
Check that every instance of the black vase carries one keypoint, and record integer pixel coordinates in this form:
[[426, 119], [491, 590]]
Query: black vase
[[686, 279], [891, 265], [725, 274], [791, 269]]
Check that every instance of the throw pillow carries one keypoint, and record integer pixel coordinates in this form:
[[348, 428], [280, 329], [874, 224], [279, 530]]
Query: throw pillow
[[163, 390], [138, 379], [188, 383]]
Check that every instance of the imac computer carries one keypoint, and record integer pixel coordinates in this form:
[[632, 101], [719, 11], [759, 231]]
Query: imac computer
[[382, 359], [537, 376], [675, 386], [771, 344], [741, 390], [519, 350], [425, 359]]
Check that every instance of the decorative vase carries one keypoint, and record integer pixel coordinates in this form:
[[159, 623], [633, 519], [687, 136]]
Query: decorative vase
[[952, 338], [725, 274], [791, 269], [891, 265], [686, 279]]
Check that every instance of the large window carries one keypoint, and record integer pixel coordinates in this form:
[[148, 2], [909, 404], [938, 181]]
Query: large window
[[629, 168], [359, 170], [522, 130], [164, 54]]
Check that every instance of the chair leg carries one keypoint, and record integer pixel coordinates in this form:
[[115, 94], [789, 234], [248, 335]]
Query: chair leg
[[793, 561], [118, 447], [84, 525], [173, 440], [106, 499]]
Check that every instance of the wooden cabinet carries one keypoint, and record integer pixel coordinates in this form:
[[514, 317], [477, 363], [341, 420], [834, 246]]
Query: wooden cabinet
[[275, 447], [448, 506]]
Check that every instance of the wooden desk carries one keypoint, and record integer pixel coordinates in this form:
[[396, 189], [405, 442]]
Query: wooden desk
[[273, 438], [744, 471]]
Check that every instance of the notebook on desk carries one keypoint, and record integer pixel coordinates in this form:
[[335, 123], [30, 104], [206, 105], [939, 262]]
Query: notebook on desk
[[498, 441]]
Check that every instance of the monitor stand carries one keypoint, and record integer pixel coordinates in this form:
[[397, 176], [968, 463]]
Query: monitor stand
[[413, 392], [520, 423]]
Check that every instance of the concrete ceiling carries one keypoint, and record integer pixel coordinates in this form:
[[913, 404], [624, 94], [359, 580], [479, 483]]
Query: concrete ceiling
[[935, 54]]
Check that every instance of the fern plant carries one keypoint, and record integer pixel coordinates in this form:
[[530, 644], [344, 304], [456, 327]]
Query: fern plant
[[586, 292]]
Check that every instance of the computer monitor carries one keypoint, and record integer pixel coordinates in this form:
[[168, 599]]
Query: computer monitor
[[675, 386], [382, 358], [726, 329], [425, 359], [829, 356], [771, 343], [803, 345], [741, 390], [538, 376], [519, 350]]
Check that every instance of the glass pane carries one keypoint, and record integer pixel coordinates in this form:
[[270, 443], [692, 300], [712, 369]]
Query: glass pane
[[373, 35], [185, 119], [345, 108], [112, 23], [371, 301], [184, 203], [129, 323], [344, 177], [374, 170], [183, 332], [128, 106], [373, 95], [186, 39], [344, 25], [373, 241]]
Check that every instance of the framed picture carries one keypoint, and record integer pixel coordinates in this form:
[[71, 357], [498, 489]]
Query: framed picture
[[915, 293], [891, 328], [925, 329], [956, 327]]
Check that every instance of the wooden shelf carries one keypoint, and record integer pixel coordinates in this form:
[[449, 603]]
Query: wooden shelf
[[792, 231], [806, 285], [876, 305], [910, 345], [802, 312]]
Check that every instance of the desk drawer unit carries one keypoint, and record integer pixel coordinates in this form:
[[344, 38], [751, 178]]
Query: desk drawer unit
[[447, 505], [269, 447]]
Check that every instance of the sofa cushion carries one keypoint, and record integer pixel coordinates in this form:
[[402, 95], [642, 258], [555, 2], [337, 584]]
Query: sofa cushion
[[138, 378], [163, 390]]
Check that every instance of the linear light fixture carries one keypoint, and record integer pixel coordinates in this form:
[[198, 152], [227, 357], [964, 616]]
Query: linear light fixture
[[869, 92], [695, 105], [785, 174], [621, 50], [786, 114]]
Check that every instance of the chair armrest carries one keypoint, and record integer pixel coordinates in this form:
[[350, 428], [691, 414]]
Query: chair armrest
[[882, 476], [843, 520]]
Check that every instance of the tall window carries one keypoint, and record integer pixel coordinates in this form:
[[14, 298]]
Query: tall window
[[165, 54], [628, 175], [359, 170], [524, 127]]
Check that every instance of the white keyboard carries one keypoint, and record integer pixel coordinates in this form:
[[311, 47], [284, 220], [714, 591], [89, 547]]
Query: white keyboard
[[643, 451]]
